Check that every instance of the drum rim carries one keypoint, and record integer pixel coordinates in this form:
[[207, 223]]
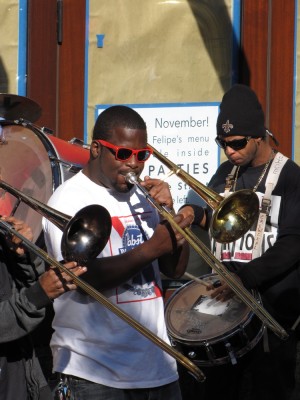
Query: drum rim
[[206, 346], [45, 140], [225, 359], [249, 315]]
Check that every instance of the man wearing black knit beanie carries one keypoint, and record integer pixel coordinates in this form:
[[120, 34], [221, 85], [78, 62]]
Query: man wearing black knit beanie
[[266, 259]]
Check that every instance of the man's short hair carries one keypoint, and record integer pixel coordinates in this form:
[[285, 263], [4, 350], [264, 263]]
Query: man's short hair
[[115, 116]]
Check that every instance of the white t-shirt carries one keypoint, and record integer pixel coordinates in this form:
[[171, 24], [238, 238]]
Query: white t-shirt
[[90, 341]]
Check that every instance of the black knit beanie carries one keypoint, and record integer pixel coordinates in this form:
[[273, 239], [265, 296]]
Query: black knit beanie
[[241, 113]]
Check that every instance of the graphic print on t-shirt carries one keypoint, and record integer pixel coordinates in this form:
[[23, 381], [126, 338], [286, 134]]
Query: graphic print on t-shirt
[[142, 286]]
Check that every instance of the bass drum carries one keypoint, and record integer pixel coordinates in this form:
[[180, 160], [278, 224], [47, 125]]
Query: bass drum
[[36, 164], [207, 331]]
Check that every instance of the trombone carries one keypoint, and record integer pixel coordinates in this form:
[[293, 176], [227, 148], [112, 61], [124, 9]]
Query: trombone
[[84, 229], [230, 208]]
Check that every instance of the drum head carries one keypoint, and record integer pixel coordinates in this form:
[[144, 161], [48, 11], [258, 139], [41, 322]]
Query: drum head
[[25, 165], [193, 317]]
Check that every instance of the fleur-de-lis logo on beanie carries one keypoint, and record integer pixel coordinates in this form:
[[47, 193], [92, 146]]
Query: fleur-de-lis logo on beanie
[[227, 126]]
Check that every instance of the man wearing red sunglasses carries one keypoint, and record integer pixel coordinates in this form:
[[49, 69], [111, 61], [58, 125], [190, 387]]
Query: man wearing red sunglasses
[[100, 355], [265, 259]]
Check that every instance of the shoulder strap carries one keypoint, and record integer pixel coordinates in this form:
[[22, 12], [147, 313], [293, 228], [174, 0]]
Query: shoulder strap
[[271, 182]]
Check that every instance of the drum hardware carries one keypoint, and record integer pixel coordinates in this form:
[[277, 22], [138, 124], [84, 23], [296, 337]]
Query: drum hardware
[[209, 352], [191, 355], [295, 324], [70, 167], [26, 123], [80, 143], [13, 106], [46, 130], [212, 261], [233, 216], [231, 354], [2, 136], [22, 122], [84, 237], [15, 207]]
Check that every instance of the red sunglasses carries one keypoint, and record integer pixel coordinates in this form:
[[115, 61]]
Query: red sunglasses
[[125, 153]]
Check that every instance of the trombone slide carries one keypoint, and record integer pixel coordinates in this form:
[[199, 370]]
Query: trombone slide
[[191, 367]]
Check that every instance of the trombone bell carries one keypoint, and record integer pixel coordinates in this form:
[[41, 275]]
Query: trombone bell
[[84, 235], [234, 216]]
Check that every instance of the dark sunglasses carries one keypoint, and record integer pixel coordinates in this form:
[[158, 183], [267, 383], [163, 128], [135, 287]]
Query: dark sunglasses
[[237, 144], [125, 153]]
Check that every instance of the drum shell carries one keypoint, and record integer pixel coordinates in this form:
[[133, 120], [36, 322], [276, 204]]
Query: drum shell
[[208, 339], [31, 163]]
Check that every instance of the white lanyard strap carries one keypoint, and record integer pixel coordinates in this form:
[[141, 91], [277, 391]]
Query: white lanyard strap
[[271, 182]]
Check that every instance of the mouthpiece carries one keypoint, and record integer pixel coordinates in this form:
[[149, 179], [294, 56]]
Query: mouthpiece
[[131, 178]]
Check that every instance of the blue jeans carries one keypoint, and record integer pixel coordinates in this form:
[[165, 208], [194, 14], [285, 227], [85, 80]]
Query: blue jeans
[[82, 389]]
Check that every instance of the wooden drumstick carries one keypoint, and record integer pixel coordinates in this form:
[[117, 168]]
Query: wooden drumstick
[[202, 281]]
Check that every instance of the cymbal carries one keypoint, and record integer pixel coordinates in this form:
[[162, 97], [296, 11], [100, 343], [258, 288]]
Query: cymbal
[[14, 107]]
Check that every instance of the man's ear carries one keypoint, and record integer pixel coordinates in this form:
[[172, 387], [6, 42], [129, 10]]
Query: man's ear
[[95, 149]]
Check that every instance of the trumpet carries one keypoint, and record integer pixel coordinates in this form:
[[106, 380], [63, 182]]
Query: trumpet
[[233, 216], [213, 262], [85, 229]]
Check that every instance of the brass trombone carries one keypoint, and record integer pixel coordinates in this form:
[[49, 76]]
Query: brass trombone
[[85, 228], [211, 260], [233, 215]]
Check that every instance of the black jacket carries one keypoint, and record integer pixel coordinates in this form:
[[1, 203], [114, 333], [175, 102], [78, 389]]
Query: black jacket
[[22, 309]]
